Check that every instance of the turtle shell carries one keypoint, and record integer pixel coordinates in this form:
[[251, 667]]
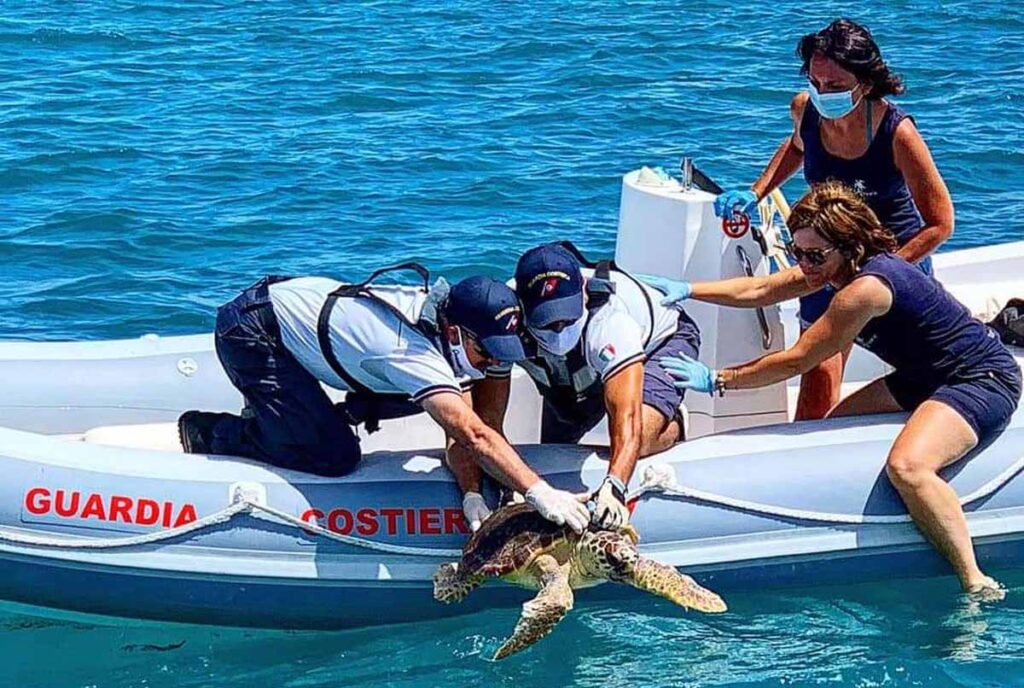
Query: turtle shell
[[509, 540]]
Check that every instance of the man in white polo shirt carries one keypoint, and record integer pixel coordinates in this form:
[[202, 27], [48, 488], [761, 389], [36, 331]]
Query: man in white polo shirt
[[599, 334], [396, 350]]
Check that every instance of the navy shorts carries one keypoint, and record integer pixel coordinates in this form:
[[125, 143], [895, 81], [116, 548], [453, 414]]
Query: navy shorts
[[986, 402], [813, 306], [568, 425], [659, 390]]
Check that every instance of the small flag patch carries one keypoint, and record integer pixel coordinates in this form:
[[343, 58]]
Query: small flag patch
[[607, 353]]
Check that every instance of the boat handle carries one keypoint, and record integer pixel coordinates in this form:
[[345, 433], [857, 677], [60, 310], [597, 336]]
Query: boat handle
[[762, 319]]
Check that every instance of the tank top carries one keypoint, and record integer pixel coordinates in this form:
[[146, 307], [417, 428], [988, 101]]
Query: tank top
[[873, 175], [927, 332]]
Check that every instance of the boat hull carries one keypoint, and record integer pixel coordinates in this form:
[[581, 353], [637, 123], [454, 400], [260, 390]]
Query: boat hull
[[777, 507]]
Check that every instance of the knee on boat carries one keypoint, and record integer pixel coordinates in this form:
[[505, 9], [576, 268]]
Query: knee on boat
[[907, 472]]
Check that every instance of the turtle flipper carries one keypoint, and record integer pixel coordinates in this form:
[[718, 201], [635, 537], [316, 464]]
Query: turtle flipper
[[614, 555], [665, 581], [450, 585], [543, 612]]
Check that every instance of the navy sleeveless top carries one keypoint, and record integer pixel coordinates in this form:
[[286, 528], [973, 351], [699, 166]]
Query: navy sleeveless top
[[927, 333], [873, 175]]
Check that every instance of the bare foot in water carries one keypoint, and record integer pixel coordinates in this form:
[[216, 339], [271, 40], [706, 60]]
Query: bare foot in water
[[986, 590]]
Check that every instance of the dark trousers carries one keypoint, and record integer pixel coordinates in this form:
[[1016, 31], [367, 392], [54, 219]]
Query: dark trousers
[[289, 421]]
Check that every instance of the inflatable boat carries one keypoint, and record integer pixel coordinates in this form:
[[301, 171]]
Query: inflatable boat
[[101, 513]]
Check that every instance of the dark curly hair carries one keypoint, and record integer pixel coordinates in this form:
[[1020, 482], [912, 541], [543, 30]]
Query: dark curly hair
[[851, 46], [839, 215]]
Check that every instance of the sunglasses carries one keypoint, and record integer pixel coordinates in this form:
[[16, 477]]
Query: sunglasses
[[811, 256], [473, 340]]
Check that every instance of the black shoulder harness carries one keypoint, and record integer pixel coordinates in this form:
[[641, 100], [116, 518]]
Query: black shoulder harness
[[362, 290]]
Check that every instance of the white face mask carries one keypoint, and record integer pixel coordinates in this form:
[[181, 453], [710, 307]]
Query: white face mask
[[833, 105], [561, 343], [460, 361]]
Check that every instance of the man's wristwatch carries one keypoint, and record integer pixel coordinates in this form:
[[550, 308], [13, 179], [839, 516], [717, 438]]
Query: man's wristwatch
[[618, 487]]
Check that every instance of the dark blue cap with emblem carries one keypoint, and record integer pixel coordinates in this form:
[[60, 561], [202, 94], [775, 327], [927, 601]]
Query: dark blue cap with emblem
[[550, 284], [490, 311]]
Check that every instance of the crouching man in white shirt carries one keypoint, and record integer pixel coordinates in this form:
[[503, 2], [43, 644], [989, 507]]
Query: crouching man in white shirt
[[396, 350]]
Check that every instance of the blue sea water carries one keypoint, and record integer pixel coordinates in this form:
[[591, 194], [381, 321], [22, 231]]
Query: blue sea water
[[155, 158]]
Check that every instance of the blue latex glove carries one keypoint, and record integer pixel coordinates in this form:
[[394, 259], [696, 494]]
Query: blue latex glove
[[689, 373], [736, 199], [675, 291]]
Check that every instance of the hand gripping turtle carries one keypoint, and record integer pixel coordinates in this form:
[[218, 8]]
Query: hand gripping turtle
[[518, 545]]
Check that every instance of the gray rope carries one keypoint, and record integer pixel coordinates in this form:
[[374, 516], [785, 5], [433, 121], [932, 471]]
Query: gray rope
[[655, 484]]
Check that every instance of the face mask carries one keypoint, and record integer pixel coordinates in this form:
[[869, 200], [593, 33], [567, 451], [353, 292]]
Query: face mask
[[561, 343], [460, 361], [833, 105]]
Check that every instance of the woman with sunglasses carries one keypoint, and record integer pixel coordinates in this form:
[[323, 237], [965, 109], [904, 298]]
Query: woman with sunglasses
[[954, 376], [851, 133]]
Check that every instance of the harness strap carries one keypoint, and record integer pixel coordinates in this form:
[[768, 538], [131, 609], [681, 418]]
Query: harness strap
[[600, 287], [323, 336], [373, 399]]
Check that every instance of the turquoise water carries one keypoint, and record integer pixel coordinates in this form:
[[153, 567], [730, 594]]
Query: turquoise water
[[155, 159]]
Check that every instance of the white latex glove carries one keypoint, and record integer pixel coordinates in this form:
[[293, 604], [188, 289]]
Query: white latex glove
[[610, 510], [475, 509], [558, 506]]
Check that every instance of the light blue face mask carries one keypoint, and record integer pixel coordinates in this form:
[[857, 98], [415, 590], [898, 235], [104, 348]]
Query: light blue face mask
[[460, 361], [561, 343], [833, 105]]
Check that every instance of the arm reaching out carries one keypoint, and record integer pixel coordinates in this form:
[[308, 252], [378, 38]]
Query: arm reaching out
[[849, 312], [739, 292], [623, 397], [500, 460], [753, 292], [489, 399]]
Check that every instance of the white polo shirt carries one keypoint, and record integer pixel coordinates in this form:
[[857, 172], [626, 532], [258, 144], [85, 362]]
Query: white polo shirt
[[631, 325], [374, 345]]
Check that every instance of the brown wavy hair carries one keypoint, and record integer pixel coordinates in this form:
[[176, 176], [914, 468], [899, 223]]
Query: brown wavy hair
[[840, 216], [852, 47]]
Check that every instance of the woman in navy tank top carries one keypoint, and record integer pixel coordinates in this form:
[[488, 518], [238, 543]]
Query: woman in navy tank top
[[952, 373], [850, 133]]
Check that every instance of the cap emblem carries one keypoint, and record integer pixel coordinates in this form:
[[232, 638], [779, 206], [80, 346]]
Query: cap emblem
[[513, 321], [550, 280]]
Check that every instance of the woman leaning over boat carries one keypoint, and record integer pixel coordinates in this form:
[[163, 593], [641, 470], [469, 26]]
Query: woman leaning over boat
[[845, 129], [954, 376]]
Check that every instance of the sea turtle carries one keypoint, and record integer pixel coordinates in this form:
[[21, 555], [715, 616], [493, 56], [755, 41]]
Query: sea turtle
[[520, 546]]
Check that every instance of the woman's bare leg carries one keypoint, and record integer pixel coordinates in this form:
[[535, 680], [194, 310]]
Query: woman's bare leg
[[873, 397], [820, 387], [935, 436]]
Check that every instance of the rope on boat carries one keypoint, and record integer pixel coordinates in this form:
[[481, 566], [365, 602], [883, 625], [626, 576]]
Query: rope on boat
[[19, 537], [237, 507], [661, 479], [658, 479], [356, 541]]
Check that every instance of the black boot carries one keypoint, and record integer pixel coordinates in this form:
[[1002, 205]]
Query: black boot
[[195, 430]]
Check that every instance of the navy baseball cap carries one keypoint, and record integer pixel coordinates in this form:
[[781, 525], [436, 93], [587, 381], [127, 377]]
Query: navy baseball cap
[[490, 310], [550, 284]]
